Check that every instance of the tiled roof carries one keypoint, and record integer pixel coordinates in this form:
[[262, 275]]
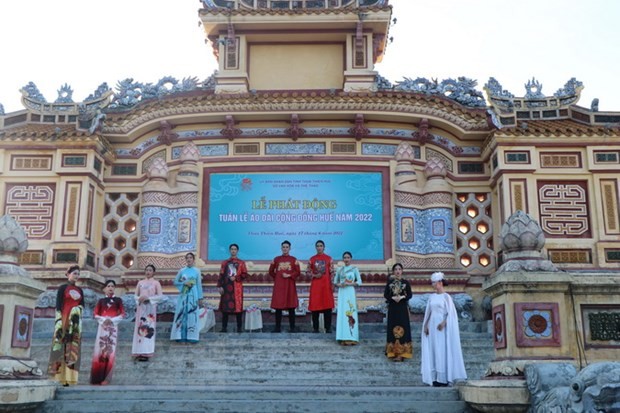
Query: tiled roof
[[283, 11], [300, 101], [560, 127], [41, 131]]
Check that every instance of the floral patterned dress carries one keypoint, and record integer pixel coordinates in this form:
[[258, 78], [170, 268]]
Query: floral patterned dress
[[64, 363], [108, 313], [143, 344], [347, 323]]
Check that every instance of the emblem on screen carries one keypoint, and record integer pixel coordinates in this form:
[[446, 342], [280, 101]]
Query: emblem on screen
[[246, 184]]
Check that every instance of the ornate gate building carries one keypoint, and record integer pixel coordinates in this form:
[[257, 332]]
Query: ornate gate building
[[297, 137]]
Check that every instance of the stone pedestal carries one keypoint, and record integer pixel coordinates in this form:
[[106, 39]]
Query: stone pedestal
[[533, 320], [18, 293]]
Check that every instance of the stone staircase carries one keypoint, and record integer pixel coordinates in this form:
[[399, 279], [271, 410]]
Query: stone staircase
[[262, 372]]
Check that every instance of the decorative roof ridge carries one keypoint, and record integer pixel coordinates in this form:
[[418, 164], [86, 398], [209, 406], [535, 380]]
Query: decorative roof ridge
[[559, 128], [255, 95], [295, 101], [236, 7], [506, 104]]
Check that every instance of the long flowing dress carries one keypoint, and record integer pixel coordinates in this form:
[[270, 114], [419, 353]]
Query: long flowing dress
[[64, 362], [146, 317], [398, 327], [347, 322], [232, 273], [185, 323], [109, 312], [442, 358]]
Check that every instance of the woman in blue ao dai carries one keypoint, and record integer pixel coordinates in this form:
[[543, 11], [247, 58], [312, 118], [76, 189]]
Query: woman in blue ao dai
[[347, 278], [185, 328]]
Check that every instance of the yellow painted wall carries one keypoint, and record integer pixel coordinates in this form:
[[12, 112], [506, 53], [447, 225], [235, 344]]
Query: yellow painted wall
[[296, 66]]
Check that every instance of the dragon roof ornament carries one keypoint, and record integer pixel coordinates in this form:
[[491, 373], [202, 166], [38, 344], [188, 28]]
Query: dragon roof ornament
[[506, 104], [130, 93], [32, 99], [290, 4], [65, 94], [462, 90]]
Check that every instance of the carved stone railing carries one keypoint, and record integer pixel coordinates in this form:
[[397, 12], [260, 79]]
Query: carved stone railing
[[291, 4]]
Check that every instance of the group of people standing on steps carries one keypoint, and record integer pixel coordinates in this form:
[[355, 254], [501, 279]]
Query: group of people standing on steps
[[441, 355], [285, 269], [65, 355], [442, 361]]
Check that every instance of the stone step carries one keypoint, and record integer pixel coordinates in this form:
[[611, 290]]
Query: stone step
[[269, 398], [43, 327]]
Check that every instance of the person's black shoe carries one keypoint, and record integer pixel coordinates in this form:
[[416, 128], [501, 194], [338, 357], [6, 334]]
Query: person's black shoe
[[294, 330], [276, 330], [315, 331], [224, 330]]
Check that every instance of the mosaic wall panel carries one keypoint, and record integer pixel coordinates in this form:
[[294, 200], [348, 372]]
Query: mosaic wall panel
[[204, 150], [430, 154], [601, 326], [119, 240], [537, 324], [499, 326], [31, 163], [138, 150], [372, 149], [161, 262], [380, 150], [71, 208], [435, 198], [560, 160], [168, 230], [518, 195], [474, 232], [148, 161], [295, 149], [32, 206], [409, 261], [189, 199], [427, 231], [563, 209], [611, 216]]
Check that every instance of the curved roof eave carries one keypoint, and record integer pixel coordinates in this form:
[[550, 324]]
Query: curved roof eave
[[388, 106]]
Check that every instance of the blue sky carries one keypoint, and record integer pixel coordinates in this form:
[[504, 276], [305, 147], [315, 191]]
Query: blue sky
[[87, 43]]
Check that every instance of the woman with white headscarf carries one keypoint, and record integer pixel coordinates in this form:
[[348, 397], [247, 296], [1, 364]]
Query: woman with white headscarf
[[442, 358]]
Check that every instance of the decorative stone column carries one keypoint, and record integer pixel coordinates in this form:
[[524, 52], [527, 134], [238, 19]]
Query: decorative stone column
[[18, 293], [169, 212], [530, 316], [547, 324], [423, 214]]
